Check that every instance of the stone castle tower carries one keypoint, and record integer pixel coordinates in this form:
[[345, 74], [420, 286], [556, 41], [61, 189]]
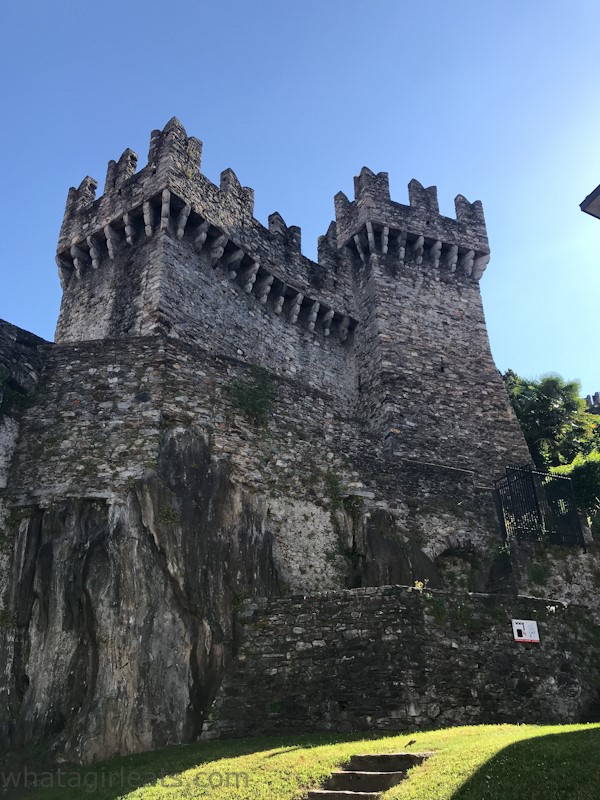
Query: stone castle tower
[[140, 502], [389, 320]]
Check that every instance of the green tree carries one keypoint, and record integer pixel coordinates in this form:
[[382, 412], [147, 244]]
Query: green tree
[[553, 417]]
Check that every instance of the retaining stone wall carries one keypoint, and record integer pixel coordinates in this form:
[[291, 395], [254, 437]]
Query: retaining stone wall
[[399, 659]]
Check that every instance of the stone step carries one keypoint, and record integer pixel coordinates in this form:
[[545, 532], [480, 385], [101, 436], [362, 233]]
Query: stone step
[[386, 762], [355, 781], [333, 794]]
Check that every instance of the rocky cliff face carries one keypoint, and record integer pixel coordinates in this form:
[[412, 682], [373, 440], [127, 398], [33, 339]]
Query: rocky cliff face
[[124, 607]]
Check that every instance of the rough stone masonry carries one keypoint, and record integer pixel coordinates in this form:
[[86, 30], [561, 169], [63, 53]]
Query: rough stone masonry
[[221, 418]]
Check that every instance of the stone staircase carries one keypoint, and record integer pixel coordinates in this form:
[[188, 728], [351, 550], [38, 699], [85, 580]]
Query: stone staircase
[[366, 776]]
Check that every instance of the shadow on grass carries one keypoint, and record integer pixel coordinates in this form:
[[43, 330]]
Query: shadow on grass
[[558, 766], [110, 780]]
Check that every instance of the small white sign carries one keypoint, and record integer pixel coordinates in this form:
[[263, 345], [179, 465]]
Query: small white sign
[[525, 630]]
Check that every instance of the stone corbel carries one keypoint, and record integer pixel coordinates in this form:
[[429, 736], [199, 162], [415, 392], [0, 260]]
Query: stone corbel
[[279, 301], [327, 319], [361, 252], [264, 287], [418, 248], [250, 277], [401, 242], [233, 262], [370, 237], [65, 272], [295, 307], [452, 258], [165, 210], [148, 218], [94, 252], [182, 219], [111, 241], [385, 235], [200, 235], [434, 253], [79, 259], [479, 265], [218, 248], [312, 315], [466, 262], [129, 229]]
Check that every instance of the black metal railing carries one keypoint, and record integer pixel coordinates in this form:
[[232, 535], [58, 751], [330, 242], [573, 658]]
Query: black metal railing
[[538, 506]]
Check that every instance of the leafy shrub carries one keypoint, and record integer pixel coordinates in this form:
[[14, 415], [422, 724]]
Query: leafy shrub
[[584, 471]]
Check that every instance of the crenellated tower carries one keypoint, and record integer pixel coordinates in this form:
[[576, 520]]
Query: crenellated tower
[[427, 379], [166, 251], [389, 320]]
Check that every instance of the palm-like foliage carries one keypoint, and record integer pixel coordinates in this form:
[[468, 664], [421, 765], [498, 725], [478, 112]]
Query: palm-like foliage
[[553, 417]]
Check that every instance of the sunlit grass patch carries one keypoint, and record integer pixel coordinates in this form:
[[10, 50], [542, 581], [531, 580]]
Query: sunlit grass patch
[[503, 762]]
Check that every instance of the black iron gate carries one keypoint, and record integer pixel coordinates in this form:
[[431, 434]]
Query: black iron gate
[[538, 506]]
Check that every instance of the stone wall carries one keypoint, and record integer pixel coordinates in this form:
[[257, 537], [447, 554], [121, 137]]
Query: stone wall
[[22, 356], [341, 510], [399, 659], [94, 424], [431, 383], [203, 305], [119, 298], [21, 359]]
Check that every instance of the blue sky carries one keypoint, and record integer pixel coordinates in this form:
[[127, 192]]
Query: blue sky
[[496, 100]]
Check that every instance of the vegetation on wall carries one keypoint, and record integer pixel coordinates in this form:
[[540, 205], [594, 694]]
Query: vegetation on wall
[[333, 487], [254, 397]]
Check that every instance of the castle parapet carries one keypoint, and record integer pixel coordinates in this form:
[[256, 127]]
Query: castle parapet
[[173, 162], [415, 234], [171, 197]]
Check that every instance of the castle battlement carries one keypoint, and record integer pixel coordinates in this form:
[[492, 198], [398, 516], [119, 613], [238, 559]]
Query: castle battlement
[[415, 234], [170, 196], [170, 214]]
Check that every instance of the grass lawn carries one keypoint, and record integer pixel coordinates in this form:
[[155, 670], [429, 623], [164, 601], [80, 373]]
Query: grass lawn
[[492, 762]]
